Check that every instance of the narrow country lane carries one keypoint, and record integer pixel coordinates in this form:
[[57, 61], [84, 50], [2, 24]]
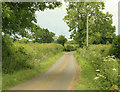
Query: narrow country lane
[[59, 77]]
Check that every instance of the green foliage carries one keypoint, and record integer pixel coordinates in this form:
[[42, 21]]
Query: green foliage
[[19, 16], [61, 40], [71, 47], [105, 67], [23, 40], [116, 47], [13, 58], [102, 31], [43, 35], [17, 56], [100, 24], [108, 75]]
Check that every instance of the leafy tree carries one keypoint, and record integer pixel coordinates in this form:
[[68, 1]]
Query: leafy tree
[[76, 18], [116, 46], [61, 40], [43, 35], [102, 31], [19, 16]]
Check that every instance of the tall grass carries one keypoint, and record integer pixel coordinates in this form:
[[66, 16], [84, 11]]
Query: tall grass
[[19, 56], [22, 61], [98, 67], [10, 80]]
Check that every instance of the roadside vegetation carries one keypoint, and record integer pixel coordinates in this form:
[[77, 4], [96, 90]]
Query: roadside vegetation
[[100, 57], [23, 61], [71, 47], [23, 53], [99, 69], [28, 50]]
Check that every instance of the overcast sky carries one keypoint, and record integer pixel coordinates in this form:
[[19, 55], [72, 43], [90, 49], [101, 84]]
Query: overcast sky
[[53, 19]]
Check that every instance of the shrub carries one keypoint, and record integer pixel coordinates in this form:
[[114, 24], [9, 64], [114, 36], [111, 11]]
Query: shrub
[[108, 73], [13, 58], [116, 47], [71, 47], [17, 56], [105, 66]]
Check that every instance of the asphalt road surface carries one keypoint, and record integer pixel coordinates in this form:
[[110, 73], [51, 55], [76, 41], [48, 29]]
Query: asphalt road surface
[[59, 77]]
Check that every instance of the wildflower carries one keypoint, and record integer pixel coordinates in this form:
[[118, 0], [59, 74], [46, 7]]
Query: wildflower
[[114, 69], [114, 87], [96, 78], [97, 70], [101, 75], [112, 56]]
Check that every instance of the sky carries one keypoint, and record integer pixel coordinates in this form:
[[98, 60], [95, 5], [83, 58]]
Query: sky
[[53, 19]]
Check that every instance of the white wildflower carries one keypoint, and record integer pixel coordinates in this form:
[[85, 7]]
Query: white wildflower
[[96, 78], [97, 70], [101, 75], [114, 69]]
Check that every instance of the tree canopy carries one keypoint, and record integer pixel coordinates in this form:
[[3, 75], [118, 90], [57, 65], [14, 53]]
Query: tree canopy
[[99, 22], [19, 16], [61, 40], [43, 35]]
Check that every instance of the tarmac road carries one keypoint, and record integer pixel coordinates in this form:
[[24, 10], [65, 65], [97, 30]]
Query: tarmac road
[[59, 77]]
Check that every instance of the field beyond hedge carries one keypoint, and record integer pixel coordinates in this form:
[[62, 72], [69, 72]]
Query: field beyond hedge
[[22, 61], [99, 70]]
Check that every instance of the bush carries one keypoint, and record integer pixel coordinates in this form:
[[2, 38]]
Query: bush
[[17, 56], [71, 47], [105, 66], [13, 58], [108, 75], [116, 47]]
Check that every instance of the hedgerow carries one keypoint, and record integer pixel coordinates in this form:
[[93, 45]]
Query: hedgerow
[[17, 56]]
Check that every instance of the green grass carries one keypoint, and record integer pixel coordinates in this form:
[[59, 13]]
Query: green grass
[[10, 80], [86, 75]]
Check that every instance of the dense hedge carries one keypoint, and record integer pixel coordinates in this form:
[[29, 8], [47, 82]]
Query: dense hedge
[[17, 56]]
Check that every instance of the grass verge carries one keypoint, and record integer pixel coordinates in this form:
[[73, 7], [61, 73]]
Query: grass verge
[[86, 73], [11, 80]]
